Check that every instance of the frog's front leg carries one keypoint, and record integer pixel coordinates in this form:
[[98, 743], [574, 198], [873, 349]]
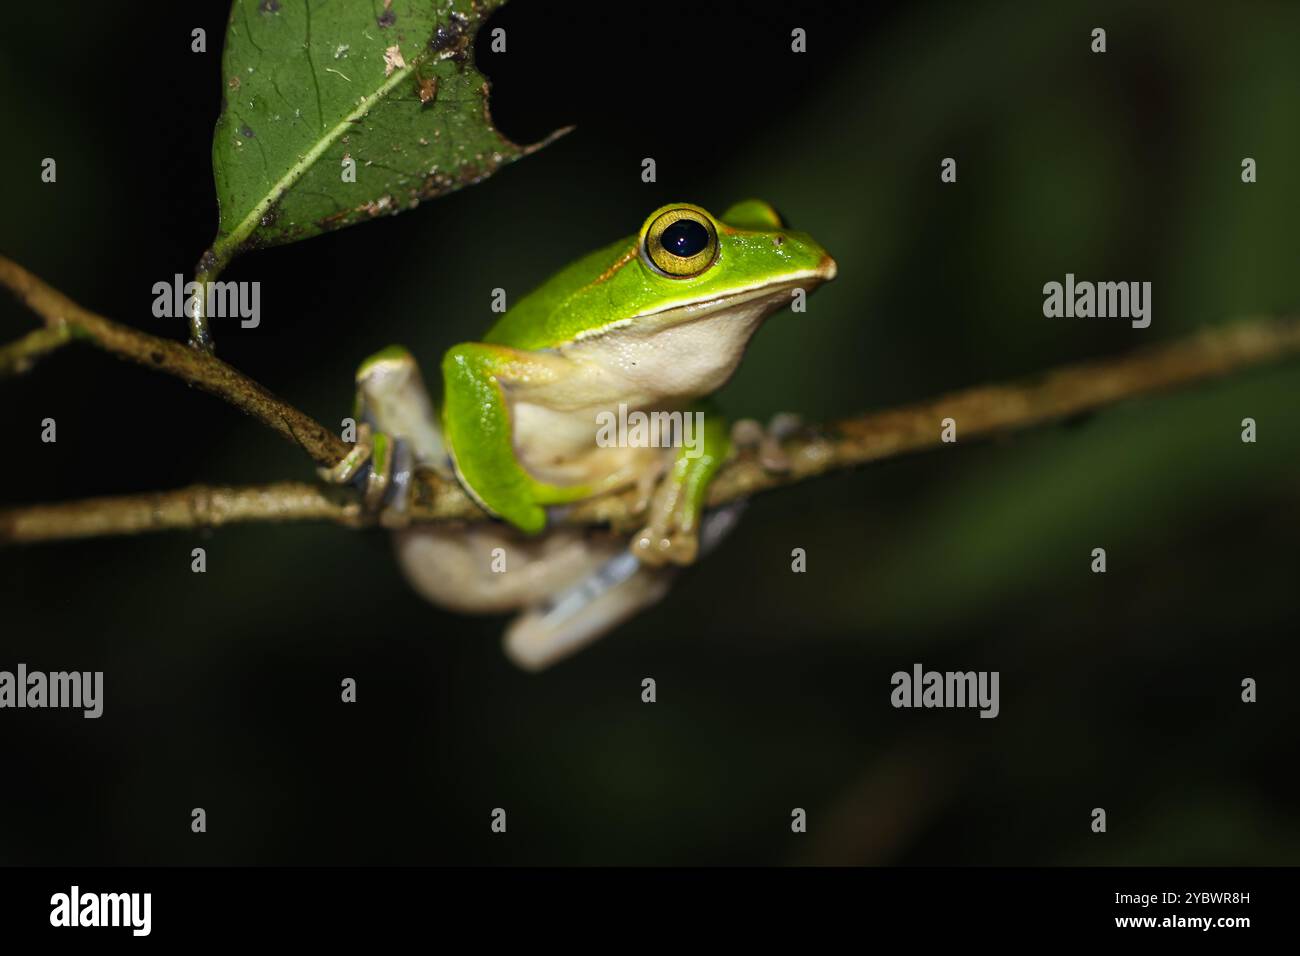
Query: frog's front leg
[[397, 428], [479, 431], [672, 531], [393, 400]]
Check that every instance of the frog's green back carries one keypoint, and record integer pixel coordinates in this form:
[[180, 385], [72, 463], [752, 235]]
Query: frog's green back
[[545, 317]]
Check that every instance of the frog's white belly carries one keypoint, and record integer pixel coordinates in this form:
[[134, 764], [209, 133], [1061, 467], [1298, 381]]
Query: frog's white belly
[[560, 448], [641, 367], [650, 365]]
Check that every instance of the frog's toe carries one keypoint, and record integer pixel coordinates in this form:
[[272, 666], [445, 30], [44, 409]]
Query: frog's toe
[[392, 492], [657, 547], [347, 470], [748, 435], [646, 483], [784, 425], [381, 468]]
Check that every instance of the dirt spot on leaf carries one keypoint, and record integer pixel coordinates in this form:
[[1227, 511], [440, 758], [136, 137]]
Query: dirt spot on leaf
[[451, 40], [393, 60], [381, 205], [426, 89]]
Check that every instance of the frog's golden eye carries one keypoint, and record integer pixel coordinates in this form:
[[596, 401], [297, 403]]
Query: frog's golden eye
[[681, 243]]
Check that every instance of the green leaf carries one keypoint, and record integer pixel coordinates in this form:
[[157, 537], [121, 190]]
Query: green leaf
[[311, 84]]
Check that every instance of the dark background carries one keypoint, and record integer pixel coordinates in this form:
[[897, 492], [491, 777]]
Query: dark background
[[1118, 690]]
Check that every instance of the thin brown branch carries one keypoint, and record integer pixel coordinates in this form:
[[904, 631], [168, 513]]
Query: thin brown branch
[[18, 357], [977, 413], [198, 368], [198, 506], [1059, 393]]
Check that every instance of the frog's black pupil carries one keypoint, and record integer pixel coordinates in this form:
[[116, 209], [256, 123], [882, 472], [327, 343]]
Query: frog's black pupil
[[685, 238]]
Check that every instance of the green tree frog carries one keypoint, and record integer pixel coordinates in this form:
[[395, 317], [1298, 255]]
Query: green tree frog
[[654, 322]]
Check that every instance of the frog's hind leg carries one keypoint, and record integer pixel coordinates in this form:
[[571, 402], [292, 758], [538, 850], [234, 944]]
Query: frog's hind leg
[[489, 568], [570, 585], [620, 588], [578, 615]]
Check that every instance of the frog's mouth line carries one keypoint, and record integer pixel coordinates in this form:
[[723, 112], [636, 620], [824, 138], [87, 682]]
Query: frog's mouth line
[[690, 311], [694, 311]]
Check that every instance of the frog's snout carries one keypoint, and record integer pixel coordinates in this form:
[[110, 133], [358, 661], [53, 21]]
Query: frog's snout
[[827, 269], [808, 256]]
